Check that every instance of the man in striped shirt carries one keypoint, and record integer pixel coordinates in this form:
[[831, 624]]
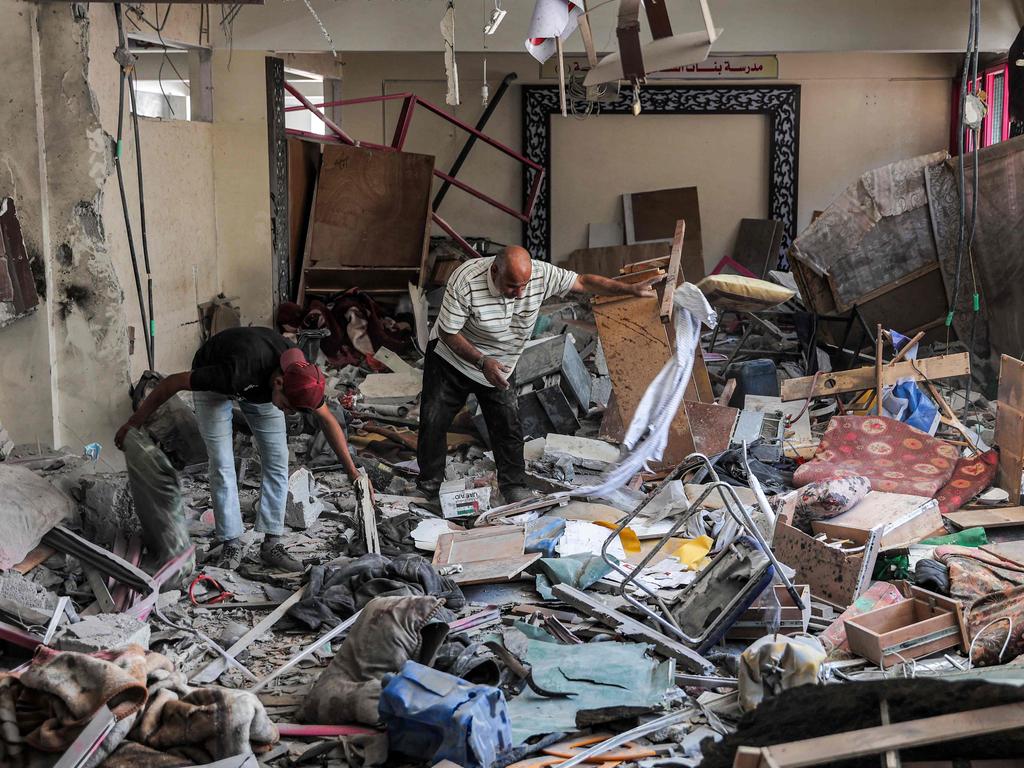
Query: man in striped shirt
[[487, 315]]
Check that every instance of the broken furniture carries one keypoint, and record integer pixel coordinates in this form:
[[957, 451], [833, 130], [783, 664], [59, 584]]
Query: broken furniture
[[484, 555], [751, 566], [904, 519], [924, 624], [773, 612]]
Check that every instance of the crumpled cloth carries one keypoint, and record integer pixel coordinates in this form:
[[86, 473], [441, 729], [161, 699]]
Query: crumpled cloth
[[335, 592], [990, 588], [776, 663], [389, 632], [45, 708]]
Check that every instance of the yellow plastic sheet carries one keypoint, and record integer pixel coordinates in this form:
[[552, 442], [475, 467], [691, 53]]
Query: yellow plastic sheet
[[693, 552], [630, 541]]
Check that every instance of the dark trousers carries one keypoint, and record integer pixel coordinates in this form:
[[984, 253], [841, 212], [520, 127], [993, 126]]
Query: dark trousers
[[444, 394]]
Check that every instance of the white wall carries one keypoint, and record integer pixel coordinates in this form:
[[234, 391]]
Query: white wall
[[858, 111]]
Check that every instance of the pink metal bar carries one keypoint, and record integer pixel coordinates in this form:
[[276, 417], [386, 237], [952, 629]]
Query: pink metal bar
[[463, 243], [477, 193], [326, 120], [322, 731], [404, 120]]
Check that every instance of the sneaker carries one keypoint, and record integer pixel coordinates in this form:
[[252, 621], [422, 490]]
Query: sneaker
[[517, 493], [230, 557], [277, 557]]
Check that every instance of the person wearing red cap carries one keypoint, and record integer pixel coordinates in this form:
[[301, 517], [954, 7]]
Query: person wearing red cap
[[269, 377]]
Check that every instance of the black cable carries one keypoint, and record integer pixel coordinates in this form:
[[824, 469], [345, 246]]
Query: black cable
[[120, 184], [151, 349]]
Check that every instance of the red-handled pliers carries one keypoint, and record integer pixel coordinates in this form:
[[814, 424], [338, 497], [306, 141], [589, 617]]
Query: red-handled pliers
[[221, 596]]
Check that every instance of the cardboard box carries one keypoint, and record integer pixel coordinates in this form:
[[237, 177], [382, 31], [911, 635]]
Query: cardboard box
[[905, 519], [754, 622], [920, 626], [465, 497]]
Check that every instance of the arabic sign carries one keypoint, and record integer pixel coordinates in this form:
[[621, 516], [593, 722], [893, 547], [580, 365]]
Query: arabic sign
[[713, 68]]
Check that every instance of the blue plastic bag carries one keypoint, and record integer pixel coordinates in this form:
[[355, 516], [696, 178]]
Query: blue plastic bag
[[432, 714]]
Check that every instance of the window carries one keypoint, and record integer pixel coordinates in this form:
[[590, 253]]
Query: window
[[298, 118], [172, 81], [996, 125]]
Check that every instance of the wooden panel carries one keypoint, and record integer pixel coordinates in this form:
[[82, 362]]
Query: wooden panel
[[653, 216], [673, 275], [859, 379], [711, 426], [372, 208], [1009, 435], [608, 261], [636, 348], [1000, 517], [757, 245], [832, 575], [907, 519], [303, 167]]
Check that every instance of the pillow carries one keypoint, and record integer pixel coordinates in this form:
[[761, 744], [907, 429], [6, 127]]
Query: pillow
[[970, 477], [743, 294], [828, 498]]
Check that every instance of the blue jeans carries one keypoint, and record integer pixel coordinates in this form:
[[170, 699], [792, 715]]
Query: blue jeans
[[213, 412]]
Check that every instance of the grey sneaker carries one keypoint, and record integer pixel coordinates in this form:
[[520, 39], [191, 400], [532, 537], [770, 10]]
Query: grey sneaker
[[277, 557], [230, 557]]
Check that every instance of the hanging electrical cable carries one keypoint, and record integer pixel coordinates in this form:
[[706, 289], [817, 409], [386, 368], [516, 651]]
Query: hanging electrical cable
[[126, 61], [142, 225]]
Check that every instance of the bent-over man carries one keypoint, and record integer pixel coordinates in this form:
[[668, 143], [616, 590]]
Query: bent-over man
[[269, 377]]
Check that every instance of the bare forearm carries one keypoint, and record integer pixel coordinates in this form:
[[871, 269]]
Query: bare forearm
[[604, 286], [461, 346], [336, 439], [162, 392]]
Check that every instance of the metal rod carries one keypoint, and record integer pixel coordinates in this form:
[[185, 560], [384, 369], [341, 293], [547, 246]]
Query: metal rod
[[471, 140], [306, 652]]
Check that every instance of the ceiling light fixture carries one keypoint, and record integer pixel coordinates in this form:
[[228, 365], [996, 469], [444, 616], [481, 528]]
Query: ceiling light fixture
[[497, 15]]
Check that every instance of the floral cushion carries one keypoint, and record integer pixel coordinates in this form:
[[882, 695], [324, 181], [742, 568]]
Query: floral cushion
[[970, 477], [893, 456], [828, 498]]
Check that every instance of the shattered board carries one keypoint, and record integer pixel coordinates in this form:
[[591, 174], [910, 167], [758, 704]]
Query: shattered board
[[601, 675]]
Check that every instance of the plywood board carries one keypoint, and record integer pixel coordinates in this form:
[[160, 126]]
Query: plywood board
[[999, 517], [905, 518], [758, 245], [303, 169], [653, 216], [636, 348], [372, 208], [1009, 435], [490, 554]]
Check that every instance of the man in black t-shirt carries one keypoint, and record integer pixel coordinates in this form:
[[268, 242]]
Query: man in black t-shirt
[[269, 377]]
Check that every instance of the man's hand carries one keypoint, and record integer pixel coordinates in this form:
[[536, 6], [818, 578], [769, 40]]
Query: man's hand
[[646, 289], [496, 372]]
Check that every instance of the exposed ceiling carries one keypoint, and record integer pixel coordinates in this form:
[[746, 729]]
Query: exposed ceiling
[[751, 26]]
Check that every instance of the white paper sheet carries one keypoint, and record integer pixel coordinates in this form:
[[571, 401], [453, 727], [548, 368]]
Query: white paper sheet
[[551, 19]]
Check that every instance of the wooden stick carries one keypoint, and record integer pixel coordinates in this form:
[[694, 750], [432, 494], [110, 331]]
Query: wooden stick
[[878, 369], [906, 348], [672, 279]]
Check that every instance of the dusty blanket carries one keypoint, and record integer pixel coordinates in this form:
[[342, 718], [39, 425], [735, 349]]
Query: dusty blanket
[[894, 456], [990, 588], [45, 708]]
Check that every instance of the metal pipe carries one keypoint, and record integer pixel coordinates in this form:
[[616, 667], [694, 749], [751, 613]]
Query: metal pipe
[[471, 140]]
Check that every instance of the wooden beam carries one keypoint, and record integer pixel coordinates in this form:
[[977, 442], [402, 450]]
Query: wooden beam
[[859, 379], [1009, 434], [674, 273], [906, 734]]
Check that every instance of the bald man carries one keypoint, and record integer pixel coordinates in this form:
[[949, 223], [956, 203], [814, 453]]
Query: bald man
[[489, 309]]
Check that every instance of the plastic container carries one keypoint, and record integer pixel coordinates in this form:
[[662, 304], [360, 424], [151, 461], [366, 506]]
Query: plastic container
[[753, 377]]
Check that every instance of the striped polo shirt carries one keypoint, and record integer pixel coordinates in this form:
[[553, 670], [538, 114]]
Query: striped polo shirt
[[497, 326]]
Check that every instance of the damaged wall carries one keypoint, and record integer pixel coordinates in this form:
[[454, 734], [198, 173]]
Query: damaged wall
[[858, 111], [76, 388]]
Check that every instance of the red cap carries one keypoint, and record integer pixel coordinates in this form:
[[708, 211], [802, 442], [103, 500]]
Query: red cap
[[304, 383]]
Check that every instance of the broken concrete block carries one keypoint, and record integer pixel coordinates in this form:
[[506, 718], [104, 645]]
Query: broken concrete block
[[24, 598], [583, 451], [104, 631], [107, 507], [29, 507], [303, 507]]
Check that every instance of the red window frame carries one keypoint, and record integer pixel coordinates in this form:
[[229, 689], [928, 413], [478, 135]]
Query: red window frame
[[985, 82]]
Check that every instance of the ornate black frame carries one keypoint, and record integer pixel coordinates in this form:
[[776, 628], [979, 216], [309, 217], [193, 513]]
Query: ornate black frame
[[781, 103]]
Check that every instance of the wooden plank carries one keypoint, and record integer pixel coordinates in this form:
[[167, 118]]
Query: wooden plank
[[999, 517], [859, 379], [1009, 435], [607, 261], [906, 519], [673, 272], [99, 588], [902, 735], [1008, 550], [36, 557], [371, 208], [215, 668]]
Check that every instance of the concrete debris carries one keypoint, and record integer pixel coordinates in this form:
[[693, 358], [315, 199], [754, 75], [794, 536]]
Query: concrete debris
[[104, 631], [303, 506]]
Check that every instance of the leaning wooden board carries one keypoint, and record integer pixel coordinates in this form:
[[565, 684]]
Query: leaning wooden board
[[1009, 434], [859, 379], [997, 517]]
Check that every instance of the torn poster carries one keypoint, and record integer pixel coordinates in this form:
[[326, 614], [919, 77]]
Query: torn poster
[[451, 69], [551, 19]]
